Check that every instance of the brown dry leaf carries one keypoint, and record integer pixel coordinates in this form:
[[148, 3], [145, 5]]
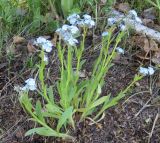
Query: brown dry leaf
[[153, 46], [103, 1], [31, 48], [123, 7], [137, 41], [146, 46], [54, 39], [156, 57], [150, 45], [144, 43], [142, 56], [18, 39], [149, 13], [148, 22], [82, 74]]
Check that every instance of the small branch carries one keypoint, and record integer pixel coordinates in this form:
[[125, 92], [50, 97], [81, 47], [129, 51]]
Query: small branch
[[137, 27], [154, 123]]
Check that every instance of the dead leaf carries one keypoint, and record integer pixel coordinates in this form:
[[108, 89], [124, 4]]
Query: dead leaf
[[31, 48], [144, 43], [142, 56], [156, 57], [82, 74], [149, 13], [148, 22], [54, 39], [123, 7], [18, 39], [103, 1], [150, 45]]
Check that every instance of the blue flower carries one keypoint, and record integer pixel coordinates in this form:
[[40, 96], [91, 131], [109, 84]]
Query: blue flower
[[105, 33], [68, 33], [151, 71], [73, 19], [111, 21], [146, 71], [120, 50], [30, 85], [46, 45], [86, 21]]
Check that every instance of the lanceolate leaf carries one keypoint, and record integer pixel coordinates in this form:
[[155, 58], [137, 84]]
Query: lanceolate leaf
[[39, 111], [65, 116], [99, 102], [66, 6], [43, 131]]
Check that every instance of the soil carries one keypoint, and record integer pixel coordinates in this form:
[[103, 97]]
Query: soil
[[127, 122]]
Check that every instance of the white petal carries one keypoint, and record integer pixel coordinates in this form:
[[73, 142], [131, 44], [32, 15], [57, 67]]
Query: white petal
[[30, 84], [72, 42], [120, 50], [65, 27], [73, 19], [143, 71], [74, 30], [92, 23], [87, 17], [151, 70], [25, 88], [111, 21], [105, 33], [41, 40], [123, 27]]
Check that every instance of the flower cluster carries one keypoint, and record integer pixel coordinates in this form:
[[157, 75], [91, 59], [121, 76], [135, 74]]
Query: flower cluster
[[69, 32], [30, 85], [86, 21], [146, 71], [45, 44], [132, 14]]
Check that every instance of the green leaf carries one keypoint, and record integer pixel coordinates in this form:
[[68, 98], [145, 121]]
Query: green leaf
[[52, 108], [39, 111], [50, 94], [44, 131], [99, 102], [26, 102], [65, 116], [51, 115], [66, 6], [41, 131]]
